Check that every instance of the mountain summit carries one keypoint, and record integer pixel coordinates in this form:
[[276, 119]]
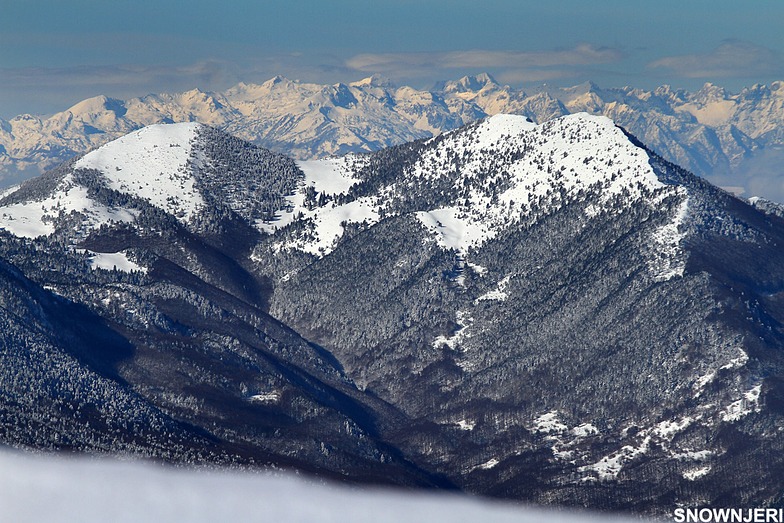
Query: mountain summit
[[546, 312]]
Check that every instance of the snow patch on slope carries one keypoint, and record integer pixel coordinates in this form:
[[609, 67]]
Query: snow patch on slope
[[324, 225], [8, 190], [489, 464], [696, 473], [744, 406], [735, 363], [669, 259], [585, 430], [549, 422], [497, 294], [464, 424], [452, 228], [668, 428], [464, 321], [329, 176], [702, 381], [659, 436], [114, 261], [739, 361], [266, 397], [611, 465]]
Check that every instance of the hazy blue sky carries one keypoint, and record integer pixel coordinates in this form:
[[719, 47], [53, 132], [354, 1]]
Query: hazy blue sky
[[54, 53]]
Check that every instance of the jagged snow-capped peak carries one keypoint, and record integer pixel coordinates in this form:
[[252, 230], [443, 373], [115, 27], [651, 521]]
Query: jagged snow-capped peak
[[151, 163], [96, 106], [471, 83]]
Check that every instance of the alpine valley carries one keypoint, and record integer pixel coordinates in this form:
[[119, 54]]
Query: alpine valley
[[545, 312]]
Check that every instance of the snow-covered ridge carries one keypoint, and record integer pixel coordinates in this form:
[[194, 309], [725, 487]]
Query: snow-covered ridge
[[552, 161], [32, 219], [505, 169], [177, 168], [502, 171]]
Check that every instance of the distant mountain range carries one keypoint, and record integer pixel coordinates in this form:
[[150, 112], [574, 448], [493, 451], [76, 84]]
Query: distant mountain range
[[541, 312], [710, 132]]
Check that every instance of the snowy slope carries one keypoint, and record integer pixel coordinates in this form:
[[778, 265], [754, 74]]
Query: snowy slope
[[150, 179], [328, 177], [152, 164], [564, 166]]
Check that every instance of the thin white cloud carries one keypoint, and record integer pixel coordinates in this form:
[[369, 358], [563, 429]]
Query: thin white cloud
[[732, 59], [521, 76], [529, 64], [45, 90], [129, 75], [581, 55]]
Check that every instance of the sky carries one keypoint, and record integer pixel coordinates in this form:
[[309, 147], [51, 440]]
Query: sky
[[54, 53]]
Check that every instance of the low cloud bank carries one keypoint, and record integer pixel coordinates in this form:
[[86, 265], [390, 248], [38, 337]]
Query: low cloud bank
[[50, 488]]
